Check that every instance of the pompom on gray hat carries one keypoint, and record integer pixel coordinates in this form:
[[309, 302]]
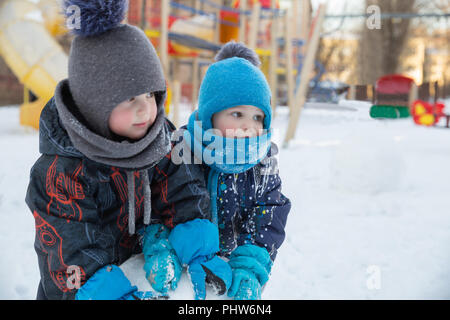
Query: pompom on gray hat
[[110, 62]]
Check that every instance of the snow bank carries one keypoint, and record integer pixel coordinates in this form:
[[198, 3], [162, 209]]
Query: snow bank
[[367, 163], [369, 220]]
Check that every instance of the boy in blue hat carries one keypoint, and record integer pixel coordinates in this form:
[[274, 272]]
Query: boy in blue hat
[[229, 135]]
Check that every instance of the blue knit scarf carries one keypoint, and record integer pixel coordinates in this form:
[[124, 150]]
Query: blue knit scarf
[[224, 155]]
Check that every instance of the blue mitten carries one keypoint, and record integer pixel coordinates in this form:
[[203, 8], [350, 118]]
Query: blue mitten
[[251, 268], [196, 243], [110, 283], [162, 267], [245, 286]]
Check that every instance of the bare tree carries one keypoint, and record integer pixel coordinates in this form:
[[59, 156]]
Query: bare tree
[[380, 48]]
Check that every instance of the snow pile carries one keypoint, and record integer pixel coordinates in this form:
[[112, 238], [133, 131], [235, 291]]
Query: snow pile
[[133, 269], [366, 163], [369, 220]]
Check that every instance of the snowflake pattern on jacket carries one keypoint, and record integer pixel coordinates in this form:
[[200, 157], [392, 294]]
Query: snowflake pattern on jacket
[[251, 209]]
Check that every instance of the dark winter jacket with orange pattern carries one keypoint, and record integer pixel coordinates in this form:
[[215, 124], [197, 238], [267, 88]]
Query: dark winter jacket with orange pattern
[[81, 208]]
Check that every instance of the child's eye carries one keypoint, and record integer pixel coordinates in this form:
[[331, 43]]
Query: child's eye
[[258, 118], [236, 114], [131, 99], [150, 95]]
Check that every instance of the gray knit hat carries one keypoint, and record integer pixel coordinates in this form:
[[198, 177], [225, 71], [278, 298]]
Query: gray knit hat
[[109, 63]]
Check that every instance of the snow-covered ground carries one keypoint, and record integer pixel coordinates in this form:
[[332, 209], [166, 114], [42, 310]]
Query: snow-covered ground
[[370, 216]]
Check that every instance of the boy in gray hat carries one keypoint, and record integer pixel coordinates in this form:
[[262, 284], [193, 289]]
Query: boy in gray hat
[[104, 187]]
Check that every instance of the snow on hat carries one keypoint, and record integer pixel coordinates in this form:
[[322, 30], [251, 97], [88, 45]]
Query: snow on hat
[[233, 80], [110, 62]]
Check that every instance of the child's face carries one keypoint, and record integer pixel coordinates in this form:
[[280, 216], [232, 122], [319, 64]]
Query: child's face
[[239, 121], [132, 118]]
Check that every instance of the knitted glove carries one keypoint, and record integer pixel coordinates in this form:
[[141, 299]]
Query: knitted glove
[[251, 268], [162, 267], [110, 283], [196, 243]]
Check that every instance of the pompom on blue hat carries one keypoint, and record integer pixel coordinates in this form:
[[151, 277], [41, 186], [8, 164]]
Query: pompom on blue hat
[[232, 81]]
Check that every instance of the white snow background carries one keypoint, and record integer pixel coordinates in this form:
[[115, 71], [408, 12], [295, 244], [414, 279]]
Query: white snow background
[[370, 214]]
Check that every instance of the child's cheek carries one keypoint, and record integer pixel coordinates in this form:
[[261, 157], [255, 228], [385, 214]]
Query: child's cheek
[[121, 121], [227, 126], [153, 112], [127, 118]]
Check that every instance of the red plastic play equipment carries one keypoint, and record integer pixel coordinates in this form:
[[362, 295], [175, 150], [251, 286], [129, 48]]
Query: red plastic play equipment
[[232, 33], [264, 3], [394, 84], [427, 114], [392, 97]]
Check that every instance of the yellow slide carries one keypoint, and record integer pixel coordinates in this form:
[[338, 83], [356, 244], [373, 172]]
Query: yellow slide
[[31, 52]]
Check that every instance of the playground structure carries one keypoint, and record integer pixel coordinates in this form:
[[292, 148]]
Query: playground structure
[[190, 35], [393, 97], [427, 114], [285, 40], [396, 96], [28, 46]]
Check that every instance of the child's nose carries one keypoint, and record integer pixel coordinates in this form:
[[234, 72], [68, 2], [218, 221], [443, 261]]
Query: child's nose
[[244, 125], [247, 127]]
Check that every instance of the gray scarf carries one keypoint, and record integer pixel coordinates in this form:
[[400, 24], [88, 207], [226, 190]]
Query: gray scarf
[[131, 156]]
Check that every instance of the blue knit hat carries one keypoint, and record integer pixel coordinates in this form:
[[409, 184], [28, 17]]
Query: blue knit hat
[[231, 82]]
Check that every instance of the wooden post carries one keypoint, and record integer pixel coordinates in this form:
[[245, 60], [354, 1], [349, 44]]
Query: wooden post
[[295, 16], [176, 87], [143, 14], [296, 34], [374, 94], [195, 70], [197, 5], [195, 81], [217, 25], [164, 37], [308, 65], [351, 92], [436, 91], [305, 24], [254, 25], [369, 93], [242, 21], [445, 85], [413, 95], [289, 60], [273, 58]]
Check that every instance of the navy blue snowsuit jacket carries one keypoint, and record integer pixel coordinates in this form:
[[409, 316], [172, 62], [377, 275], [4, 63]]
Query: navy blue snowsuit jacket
[[251, 208], [80, 208]]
